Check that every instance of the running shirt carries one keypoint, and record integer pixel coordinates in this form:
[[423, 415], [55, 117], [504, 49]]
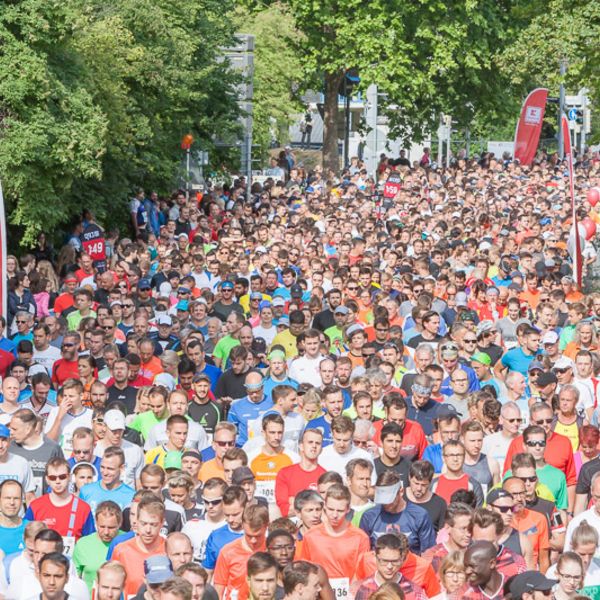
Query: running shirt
[[230, 570], [68, 425], [132, 557], [72, 521], [414, 441], [293, 479], [411, 590], [413, 522], [339, 555], [266, 467], [198, 530], [535, 526], [436, 555], [217, 540]]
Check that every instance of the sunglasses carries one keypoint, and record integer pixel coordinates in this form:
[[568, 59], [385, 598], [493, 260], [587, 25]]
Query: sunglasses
[[128, 305], [352, 289], [544, 421], [534, 443], [214, 502], [469, 341], [503, 509], [222, 444], [515, 420], [561, 371], [60, 477], [67, 345], [532, 479]]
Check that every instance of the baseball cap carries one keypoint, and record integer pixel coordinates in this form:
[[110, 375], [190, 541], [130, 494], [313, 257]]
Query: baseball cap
[[446, 410], [497, 494], [114, 419], [278, 301], [226, 285], [255, 296], [563, 362], [461, 299], [485, 325], [296, 291], [530, 581], [166, 380], [157, 569], [144, 284], [201, 377], [264, 304], [546, 378], [481, 357], [4, 431], [259, 345], [183, 305], [341, 310], [283, 320], [240, 475], [193, 454], [164, 320], [172, 460], [353, 329], [535, 364], [550, 337]]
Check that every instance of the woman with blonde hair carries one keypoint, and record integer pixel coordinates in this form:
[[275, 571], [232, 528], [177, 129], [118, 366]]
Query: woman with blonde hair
[[452, 575]]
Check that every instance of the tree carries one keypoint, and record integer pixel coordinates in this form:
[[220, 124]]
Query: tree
[[426, 57], [277, 71], [96, 95]]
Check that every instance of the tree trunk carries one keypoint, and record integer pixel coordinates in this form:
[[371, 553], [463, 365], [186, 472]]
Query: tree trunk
[[331, 158]]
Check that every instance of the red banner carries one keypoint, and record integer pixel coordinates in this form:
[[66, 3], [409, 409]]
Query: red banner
[[529, 126], [576, 249]]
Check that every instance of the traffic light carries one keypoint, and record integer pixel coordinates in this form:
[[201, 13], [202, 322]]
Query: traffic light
[[579, 117]]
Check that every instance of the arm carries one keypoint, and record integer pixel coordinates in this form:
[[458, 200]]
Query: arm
[[581, 501], [53, 431], [326, 590], [527, 550], [500, 369], [571, 498], [282, 495], [494, 467]]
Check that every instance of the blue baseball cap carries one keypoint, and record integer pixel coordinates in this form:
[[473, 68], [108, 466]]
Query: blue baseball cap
[[226, 285], [183, 305], [4, 431], [157, 569], [144, 284]]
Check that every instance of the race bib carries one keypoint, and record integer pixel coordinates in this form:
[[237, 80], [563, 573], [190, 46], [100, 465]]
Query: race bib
[[266, 489], [341, 587], [69, 545]]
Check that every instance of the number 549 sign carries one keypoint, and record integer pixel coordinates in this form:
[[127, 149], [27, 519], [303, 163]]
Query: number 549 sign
[[393, 185]]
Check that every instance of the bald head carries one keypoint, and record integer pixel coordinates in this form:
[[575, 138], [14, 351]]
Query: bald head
[[179, 549]]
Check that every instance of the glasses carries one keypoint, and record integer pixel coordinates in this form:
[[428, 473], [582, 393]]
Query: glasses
[[352, 289], [515, 420], [60, 477], [212, 502], [21, 321], [381, 329], [466, 341], [67, 345], [503, 509], [569, 577], [361, 443], [534, 443], [107, 327], [460, 455], [223, 444], [544, 421], [561, 371], [128, 305]]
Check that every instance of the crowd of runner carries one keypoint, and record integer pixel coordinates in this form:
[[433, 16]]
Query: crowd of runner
[[320, 393]]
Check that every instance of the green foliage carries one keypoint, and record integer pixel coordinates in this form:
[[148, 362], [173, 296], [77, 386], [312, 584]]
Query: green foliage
[[556, 30], [95, 96], [277, 71]]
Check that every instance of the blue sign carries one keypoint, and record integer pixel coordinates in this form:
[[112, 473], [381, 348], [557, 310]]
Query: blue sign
[[572, 114]]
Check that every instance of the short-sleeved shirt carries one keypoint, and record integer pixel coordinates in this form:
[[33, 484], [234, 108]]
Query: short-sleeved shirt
[[517, 360], [60, 518]]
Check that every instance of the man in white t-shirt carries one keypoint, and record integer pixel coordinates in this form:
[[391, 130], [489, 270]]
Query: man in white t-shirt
[[70, 414], [198, 530], [43, 353], [265, 329], [305, 369], [336, 456], [10, 400], [496, 445]]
